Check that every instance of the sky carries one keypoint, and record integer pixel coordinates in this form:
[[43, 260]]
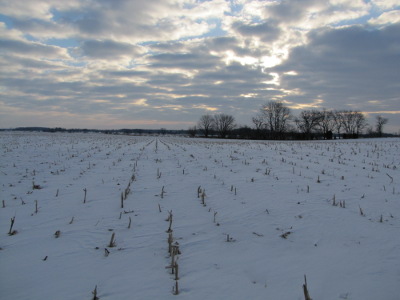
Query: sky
[[164, 63]]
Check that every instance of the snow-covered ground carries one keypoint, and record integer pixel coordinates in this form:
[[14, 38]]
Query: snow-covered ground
[[267, 220]]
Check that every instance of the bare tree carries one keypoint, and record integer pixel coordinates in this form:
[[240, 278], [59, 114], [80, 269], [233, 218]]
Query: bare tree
[[380, 122], [205, 124], [337, 120], [308, 121], [353, 122], [327, 123], [361, 122], [224, 124], [275, 116], [259, 124]]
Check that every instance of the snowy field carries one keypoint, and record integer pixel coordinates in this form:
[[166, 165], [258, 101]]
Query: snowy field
[[251, 218]]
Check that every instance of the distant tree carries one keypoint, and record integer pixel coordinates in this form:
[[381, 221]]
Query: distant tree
[[361, 122], [327, 123], [205, 124], [224, 124], [308, 121], [258, 122], [370, 131], [337, 116], [353, 122], [274, 117], [380, 122], [192, 131], [243, 132], [259, 125]]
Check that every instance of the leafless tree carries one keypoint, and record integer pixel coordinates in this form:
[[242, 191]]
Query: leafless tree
[[353, 121], [361, 122], [337, 119], [308, 121], [275, 116], [327, 123], [205, 124], [259, 125], [380, 122], [258, 122], [224, 124]]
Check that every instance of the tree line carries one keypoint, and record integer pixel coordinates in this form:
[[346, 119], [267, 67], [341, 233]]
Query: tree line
[[276, 121]]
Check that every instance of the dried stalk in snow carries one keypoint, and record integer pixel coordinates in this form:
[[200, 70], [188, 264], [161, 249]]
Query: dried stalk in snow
[[170, 221], [361, 211], [11, 232], [112, 241], [203, 196], [162, 192], [391, 178], [305, 289], [175, 289], [95, 294]]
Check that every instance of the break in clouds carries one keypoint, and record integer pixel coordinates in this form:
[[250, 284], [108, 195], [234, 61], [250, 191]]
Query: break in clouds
[[151, 64]]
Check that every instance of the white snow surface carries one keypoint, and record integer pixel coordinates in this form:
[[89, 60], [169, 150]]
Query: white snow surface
[[273, 198]]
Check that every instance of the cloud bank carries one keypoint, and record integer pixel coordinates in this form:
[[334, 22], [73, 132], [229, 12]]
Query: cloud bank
[[152, 64]]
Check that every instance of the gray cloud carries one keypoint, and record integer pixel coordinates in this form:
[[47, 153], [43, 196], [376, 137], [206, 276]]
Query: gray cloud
[[168, 80], [44, 29], [222, 43], [235, 73], [168, 47], [290, 11], [266, 31], [347, 66], [33, 49], [12, 62], [126, 74], [108, 49], [188, 61], [171, 61]]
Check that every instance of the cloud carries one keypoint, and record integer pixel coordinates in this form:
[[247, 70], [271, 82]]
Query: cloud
[[138, 21], [170, 60], [266, 31], [43, 29], [346, 66], [36, 9], [128, 21], [390, 17], [27, 48], [190, 61], [385, 4], [291, 12], [309, 14], [109, 49]]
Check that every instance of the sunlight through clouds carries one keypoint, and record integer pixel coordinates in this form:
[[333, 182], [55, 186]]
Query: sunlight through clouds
[[132, 59]]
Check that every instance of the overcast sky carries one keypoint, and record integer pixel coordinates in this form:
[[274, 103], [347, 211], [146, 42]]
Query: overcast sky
[[164, 63]]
